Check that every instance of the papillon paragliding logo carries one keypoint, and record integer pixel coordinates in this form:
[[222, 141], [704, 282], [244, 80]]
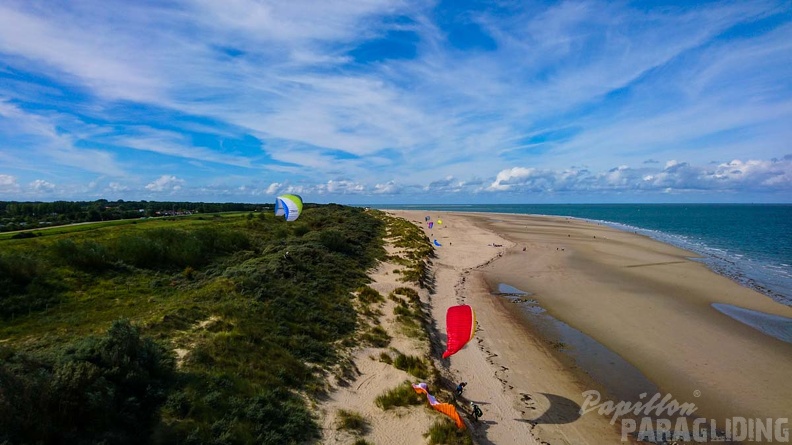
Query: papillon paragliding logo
[[288, 206]]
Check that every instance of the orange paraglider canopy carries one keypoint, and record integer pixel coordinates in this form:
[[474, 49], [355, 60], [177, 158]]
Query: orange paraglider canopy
[[460, 327], [445, 408]]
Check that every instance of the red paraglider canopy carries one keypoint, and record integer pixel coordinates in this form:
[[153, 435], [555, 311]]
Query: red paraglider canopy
[[460, 327]]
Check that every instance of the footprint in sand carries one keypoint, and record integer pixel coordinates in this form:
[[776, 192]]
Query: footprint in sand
[[527, 400]]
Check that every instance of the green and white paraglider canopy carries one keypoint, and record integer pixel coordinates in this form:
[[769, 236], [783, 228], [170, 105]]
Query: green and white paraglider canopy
[[288, 206]]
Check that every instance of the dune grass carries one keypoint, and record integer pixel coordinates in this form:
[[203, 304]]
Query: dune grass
[[351, 421], [257, 306], [446, 432], [402, 395]]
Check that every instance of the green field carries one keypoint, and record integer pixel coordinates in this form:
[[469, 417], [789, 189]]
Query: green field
[[202, 329]]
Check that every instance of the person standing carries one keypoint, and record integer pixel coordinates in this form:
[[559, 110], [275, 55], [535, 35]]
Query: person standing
[[460, 388], [476, 411]]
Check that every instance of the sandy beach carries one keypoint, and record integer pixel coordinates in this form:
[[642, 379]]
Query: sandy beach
[[647, 303]]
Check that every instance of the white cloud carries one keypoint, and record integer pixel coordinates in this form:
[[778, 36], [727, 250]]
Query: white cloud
[[342, 187], [165, 183], [751, 175], [41, 186], [389, 188], [172, 144], [43, 143], [628, 83], [88, 47], [8, 184], [116, 187]]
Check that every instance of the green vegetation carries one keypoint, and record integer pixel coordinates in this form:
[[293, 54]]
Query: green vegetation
[[36, 215], [402, 395], [417, 255], [446, 432], [409, 313], [412, 365], [256, 308], [98, 390], [377, 337], [367, 295], [350, 420]]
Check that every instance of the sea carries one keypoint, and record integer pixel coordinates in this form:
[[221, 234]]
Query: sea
[[749, 243]]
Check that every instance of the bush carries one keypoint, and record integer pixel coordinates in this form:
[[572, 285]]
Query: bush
[[350, 420], [376, 337], [335, 241], [89, 255], [402, 395], [23, 235], [412, 365], [368, 295], [446, 432], [410, 293], [102, 390], [26, 285], [167, 248]]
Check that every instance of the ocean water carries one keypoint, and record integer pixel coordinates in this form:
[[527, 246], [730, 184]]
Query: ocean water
[[750, 243]]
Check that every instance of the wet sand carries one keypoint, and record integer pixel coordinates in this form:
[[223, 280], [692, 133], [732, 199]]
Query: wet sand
[[651, 304]]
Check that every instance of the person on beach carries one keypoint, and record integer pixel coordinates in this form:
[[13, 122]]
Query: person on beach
[[460, 388], [476, 411]]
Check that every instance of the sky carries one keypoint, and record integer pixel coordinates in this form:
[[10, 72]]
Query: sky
[[396, 101]]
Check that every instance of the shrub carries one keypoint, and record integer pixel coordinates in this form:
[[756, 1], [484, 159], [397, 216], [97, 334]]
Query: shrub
[[376, 337], [23, 235], [410, 293], [350, 420], [402, 395], [26, 284], [412, 365], [101, 390], [368, 295], [446, 432], [300, 229], [88, 255], [335, 241]]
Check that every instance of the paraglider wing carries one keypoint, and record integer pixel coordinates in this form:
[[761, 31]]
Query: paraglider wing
[[288, 206], [445, 408], [437, 244], [460, 327]]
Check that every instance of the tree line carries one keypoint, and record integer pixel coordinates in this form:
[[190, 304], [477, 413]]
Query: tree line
[[16, 215]]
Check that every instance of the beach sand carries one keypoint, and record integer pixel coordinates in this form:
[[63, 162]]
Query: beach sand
[[645, 301]]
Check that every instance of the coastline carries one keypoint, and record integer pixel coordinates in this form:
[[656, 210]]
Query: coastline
[[646, 301]]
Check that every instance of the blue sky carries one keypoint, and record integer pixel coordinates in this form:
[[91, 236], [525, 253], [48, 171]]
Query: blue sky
[[396, 101]]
